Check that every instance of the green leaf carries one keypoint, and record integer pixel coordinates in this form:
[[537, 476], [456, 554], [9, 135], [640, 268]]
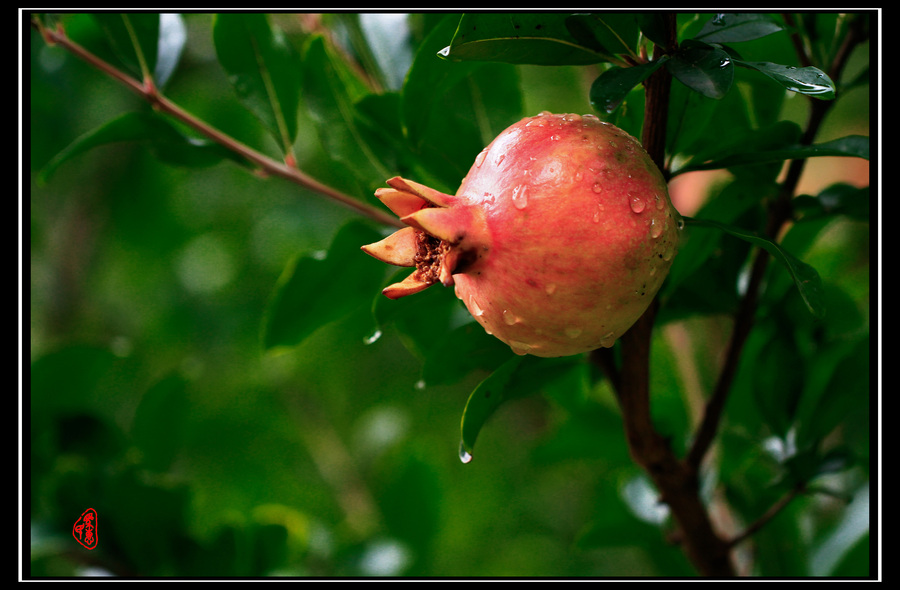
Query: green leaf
[[805, 277], [331, 94], [809, 80], [612, 33], [850, 146], [314, 291], [702, 68], [462, 351], [518, 377], [167, 142], [733, 28], [537, 39], [159, 422], [612, 86], [482, 403], [134, 38], [264, 70]]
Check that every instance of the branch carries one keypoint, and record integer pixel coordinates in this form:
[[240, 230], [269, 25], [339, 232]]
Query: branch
[[678, 485], [151, 94]]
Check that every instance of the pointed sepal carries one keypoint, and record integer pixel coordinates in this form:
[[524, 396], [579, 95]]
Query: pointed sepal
[[408, 286], [399, 248]]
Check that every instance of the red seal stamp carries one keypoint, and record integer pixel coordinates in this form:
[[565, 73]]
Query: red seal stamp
[[85, 529]]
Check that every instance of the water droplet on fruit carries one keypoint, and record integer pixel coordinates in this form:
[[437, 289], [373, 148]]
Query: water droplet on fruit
[[551, 289], [656, 229], [578, 176], [554, 138], [500, 159], [520, 348], [597, 187], [479, 159], [608, 340], [660, 203], [475, 308], [509, 318], [573, 332], [464, 455], [637, 203], [519, 198]]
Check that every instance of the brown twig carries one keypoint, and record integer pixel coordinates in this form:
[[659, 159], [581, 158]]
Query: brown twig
[[148, 91], [678, 485]]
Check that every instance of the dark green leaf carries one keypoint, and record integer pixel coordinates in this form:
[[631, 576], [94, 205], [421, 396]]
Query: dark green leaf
[[331, 94], [518, 377], [463, 350], [612, 33], [158, 426], [805, 277], [851, 146], [168, 143], [612, 86], [314, 291], [134, 38], [732, 28], [263, 69], [482, 403], [808, 80], [703, 68], [537, 38]]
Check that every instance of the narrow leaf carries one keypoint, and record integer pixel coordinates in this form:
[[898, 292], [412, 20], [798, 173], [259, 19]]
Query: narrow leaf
[[535, 38], [703, 68], [134, 38], [804, 276], [809, 80], [483, 401], [850, 146], [733, 28], [263, 69], [169, 144], [612, 86], [314, 291]]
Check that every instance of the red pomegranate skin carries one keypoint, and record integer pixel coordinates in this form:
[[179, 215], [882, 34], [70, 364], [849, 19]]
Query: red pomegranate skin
[[557, 240]]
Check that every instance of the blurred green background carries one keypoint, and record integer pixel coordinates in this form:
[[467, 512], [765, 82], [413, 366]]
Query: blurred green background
[[153, 402]]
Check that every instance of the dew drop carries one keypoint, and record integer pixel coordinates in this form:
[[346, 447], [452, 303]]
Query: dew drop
[[578, 176], [509, 318], [596, 217], [554, 138], [573, 332], [656, 229], [519, 198], [551, 289], [608, 340], [520, 348], [464, 455], [637, 203], [373, 337], [660, 203], [500, 159], [475, 308], [597, 187], [479, 159]]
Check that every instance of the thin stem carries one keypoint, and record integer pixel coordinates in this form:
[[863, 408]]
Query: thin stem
[[162, 104]]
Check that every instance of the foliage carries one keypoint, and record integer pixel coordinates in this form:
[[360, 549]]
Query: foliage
[[214, 370]]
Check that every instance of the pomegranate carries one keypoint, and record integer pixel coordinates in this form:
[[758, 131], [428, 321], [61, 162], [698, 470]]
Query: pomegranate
[[557, 240]]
